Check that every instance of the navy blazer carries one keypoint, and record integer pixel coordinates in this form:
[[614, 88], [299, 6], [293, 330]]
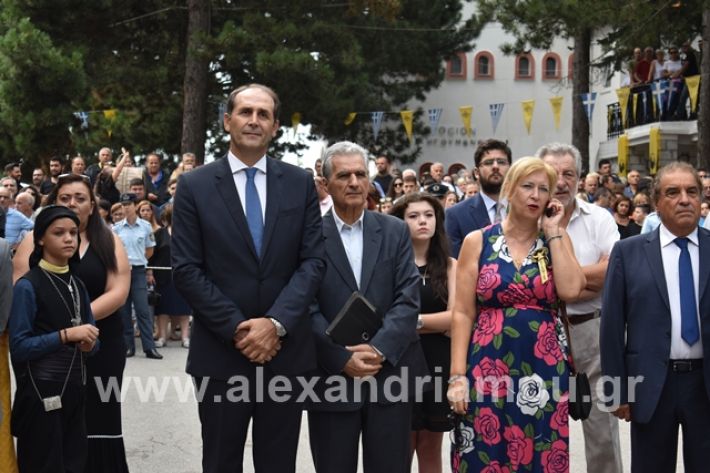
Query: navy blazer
[[463, 218], [390, 281], [635, 337], [216, 268]]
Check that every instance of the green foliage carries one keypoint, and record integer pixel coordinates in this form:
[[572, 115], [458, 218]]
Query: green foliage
[[34, 119], [325, 59]]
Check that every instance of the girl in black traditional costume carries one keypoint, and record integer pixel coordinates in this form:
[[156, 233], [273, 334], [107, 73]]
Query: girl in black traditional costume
[[51, 331]]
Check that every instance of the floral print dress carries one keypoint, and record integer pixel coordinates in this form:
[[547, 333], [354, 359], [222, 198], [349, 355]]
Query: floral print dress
[[517, 414]]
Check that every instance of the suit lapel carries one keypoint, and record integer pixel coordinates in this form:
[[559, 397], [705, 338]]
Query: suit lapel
[[371, 243], [653, 253], [228, 191], [273, 191], [479, 213], [704, 263], [336, 251]]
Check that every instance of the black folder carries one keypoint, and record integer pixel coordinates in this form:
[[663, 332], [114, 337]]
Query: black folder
[[356, 323]]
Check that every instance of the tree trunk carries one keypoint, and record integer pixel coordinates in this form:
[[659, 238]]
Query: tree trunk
[[194, 125], [580, 85], [704, 102]]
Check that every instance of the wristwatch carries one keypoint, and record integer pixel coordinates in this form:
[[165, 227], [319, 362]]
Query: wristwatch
[[280, 330], [420, 322]]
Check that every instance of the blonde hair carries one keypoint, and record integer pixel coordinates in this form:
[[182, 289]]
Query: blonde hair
[[522, 168]]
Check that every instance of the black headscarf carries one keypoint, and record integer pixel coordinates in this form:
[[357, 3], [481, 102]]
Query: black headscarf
[[44, 219]]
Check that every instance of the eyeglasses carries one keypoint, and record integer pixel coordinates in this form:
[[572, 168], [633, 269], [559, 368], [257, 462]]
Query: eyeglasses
[[398, 184], [83, 176], [491, 162], [385, 200]]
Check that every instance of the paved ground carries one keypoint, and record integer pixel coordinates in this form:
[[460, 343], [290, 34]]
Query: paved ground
[[165, 435]]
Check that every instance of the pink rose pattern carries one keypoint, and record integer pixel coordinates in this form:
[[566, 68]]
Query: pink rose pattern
[[489, 323], [492, 377], [556, 460], [495, 467], [547, 346], [488, 280], [520, 448], [514, 337], [560, 419], [487, 425]]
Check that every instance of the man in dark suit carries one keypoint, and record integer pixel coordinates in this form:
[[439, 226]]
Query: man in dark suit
[[247, 250], [356, 241], [655, 330], [492, 160]]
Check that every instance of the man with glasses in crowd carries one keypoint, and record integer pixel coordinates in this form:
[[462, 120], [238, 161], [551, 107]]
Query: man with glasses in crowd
[[492, 160]]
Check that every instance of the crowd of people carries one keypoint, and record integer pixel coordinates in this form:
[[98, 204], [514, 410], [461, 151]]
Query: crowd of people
[[469, 277], [651, 66]]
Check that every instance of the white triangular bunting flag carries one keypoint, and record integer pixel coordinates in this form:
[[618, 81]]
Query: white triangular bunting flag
[[496, 110]]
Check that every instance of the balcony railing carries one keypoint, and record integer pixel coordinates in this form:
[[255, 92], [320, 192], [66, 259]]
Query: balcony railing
[[673, 105]]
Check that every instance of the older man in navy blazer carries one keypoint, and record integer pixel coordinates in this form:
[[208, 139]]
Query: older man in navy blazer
[[358, 241], [492, 160], [655, 330], [247, 251]]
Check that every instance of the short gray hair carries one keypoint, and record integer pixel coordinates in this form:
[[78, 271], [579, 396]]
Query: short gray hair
[[339, 149], [560, 149]]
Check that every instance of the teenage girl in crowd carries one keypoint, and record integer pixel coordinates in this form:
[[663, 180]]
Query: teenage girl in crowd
[[424, 216], [51, 331]]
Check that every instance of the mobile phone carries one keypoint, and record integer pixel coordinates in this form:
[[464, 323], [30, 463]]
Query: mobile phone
[[549, 211]]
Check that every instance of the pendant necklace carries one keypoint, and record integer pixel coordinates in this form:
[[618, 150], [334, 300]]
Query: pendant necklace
[[75, 315]]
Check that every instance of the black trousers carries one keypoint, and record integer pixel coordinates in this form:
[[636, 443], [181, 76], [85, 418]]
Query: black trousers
[[225, 415], [49, 442], [385, 429], [684, 402]]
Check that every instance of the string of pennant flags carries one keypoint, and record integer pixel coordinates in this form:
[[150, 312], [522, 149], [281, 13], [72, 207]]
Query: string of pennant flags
[[662, 92], [465, 113]]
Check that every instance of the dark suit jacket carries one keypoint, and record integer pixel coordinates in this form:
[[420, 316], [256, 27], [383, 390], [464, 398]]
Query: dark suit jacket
[[393, 289], [216, 269], [463, 218], [635, 306]]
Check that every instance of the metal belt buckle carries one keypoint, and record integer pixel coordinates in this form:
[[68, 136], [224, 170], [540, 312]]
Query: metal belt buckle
[[682, 366]]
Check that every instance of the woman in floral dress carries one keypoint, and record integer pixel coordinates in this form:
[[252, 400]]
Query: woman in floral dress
[[509, 377]]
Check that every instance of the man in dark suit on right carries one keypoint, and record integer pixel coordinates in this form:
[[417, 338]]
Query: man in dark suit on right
[[655, 330], [357, 241], [492, 160]]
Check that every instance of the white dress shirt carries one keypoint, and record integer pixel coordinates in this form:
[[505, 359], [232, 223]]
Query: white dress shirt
[[670, 252], [352, 236], [240, 180], [491, 207], [593, 232]]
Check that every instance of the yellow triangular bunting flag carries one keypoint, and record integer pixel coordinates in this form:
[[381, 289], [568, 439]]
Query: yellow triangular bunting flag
[[350, 118], [693, 83], [556, 103], [528, 108], [407, 119], [654, 150], [623, 94], [466, 113], [623, 152]]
